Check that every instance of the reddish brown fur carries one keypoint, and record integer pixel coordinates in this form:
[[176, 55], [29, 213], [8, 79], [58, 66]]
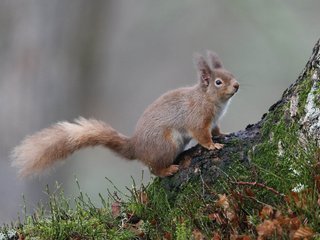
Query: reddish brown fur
[[167, 134], [162, 132], [43, 149]]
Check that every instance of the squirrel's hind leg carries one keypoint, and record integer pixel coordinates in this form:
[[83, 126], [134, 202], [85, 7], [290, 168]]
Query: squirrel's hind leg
[[160, 155], [163, 165]]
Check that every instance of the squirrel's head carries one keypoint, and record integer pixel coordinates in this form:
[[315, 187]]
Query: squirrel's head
[[214, 80]]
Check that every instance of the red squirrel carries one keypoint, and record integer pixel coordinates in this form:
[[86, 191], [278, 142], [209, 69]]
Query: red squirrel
[[162, 132]]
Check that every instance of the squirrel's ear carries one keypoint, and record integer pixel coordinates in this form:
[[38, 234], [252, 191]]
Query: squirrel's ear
[[214, 60], [204, 71]]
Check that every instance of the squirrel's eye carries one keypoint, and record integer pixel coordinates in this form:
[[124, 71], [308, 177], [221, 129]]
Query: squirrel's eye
[[218, 82]]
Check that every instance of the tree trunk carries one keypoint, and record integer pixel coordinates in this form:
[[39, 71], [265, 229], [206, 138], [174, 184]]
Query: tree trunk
[[276, 145]]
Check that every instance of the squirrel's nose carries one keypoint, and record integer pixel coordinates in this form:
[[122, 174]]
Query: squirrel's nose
[[236, 86]]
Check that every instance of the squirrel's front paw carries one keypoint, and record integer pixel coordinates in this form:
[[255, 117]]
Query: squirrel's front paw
[[214, 146]]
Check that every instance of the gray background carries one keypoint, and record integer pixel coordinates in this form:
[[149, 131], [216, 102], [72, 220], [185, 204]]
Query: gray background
[[110, 59]]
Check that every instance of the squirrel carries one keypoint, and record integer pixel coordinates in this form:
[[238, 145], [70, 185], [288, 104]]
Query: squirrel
[[161, 134]]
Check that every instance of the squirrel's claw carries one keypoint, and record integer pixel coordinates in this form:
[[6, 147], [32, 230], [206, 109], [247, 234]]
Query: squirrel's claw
[[215, 146]]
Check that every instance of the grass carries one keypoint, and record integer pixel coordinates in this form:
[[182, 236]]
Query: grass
[[227, 210], [276, 196]]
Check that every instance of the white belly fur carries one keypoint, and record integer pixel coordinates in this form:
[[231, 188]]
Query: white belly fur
[[180, 138], [220, 113]]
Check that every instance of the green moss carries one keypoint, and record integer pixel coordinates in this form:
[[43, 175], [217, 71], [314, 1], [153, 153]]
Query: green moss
[[283, 159], [234, 142], [179, 214], [84, 221], [303, 91], [183, 231]]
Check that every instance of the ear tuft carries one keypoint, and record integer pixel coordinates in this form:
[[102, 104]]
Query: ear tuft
[[214, 60], [204, 71], [200, 62]]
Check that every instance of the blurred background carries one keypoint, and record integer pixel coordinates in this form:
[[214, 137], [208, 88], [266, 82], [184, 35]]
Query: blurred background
[[110, 59]]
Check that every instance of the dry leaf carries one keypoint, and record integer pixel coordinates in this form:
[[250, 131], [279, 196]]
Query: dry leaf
[[153, 222], [249, 192], [231, 215], [279, 228], [246, 238], [240, 237], [265, 229], [266, 212], [197, 235], [295, 197], [216, 236], [294, 223], [303, 233], [283, 221], [167, 236], [300, 199], [223, 201], [217, 217], [21, 236], [212, 216]]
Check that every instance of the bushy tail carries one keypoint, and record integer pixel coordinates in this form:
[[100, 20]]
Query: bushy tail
[[43, 149]]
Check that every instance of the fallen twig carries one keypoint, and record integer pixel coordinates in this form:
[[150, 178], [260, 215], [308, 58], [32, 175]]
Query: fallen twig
[[259, 185]]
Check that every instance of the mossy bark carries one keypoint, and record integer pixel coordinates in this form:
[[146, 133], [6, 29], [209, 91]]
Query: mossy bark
[[276, 148]]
